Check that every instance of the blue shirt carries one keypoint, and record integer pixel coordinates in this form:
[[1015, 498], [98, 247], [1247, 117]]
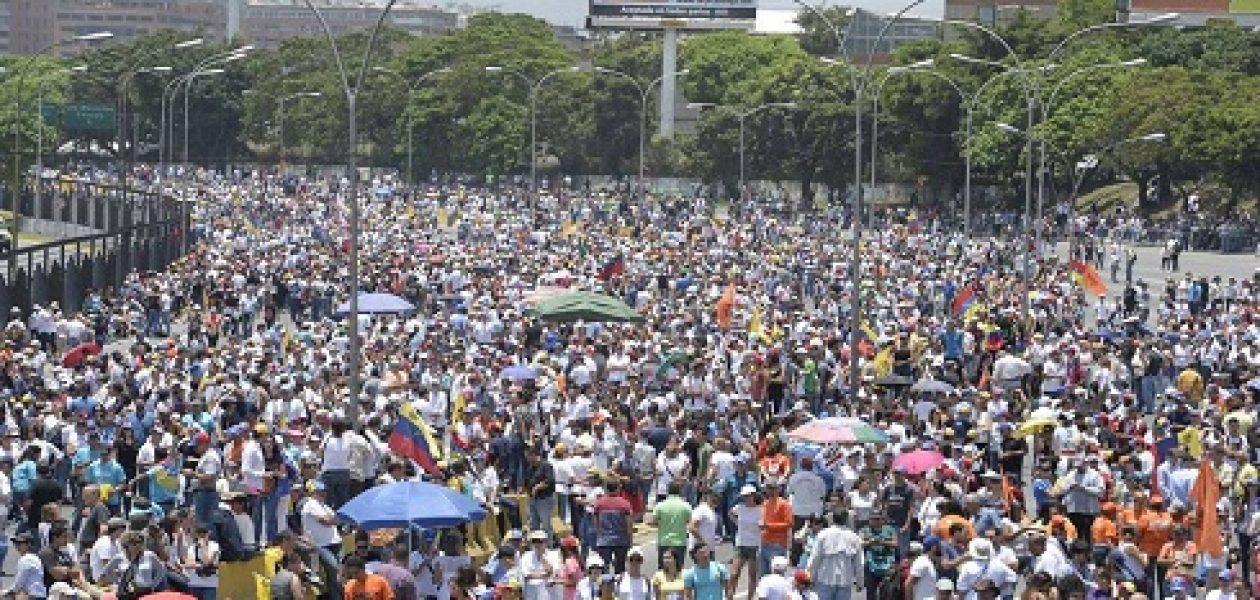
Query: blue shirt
[[707, 583], [23, 474], [111, 473]]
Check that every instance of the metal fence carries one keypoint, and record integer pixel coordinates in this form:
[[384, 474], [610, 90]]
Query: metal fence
[[138, 231]]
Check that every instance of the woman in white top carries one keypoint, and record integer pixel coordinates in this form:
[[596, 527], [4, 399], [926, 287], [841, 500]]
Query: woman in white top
[[335, 463], [861, 499], [201, 564]]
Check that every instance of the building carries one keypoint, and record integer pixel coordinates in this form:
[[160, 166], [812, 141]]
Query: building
[[33, 25], [861, 42], [37, 24], [266, 23], [4, 27], [1245, 13], [999, 12]]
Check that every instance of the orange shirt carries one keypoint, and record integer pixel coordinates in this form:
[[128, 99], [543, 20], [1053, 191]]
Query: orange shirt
[[776, 515], [371, 587], [1154, 529], [1130, 516], [1104, 532], [1184, 557], [1058, 522]]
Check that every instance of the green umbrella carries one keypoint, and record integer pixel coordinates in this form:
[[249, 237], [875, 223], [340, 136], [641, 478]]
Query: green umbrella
[[585, 306]]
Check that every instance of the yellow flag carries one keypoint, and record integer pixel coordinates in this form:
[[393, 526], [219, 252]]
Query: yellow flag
[[569, 228], [625, 232], [883, 362], [973, 311], [441, 217], [1191, 439], [755, 327]]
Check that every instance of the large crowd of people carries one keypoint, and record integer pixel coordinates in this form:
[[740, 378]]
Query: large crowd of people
[[1023, 436]]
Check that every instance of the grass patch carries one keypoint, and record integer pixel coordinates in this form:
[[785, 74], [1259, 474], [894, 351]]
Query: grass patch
[[1108, 198]]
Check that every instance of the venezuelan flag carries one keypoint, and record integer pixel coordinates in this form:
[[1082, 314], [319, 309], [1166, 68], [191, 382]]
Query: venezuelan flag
[[612, 268], [965, 298], [412, 438]]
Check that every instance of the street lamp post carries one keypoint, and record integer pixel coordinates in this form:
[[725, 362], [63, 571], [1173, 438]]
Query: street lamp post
[[412, 87], [126, 81], [879, 89], [166, 134], [742, 117], [280, 114], [1089, 168], [39, 138], [644, 92], [859, 82], [533, 87], [15, 177], [352, 94]]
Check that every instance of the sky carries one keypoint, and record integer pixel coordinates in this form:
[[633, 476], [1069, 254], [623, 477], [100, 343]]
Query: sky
[[573, 12]]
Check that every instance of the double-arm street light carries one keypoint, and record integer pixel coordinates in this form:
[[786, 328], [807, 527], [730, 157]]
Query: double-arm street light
[[859, 83], [280, 113], [743, 117], [644, 92], [209, 66], [1087, 166], [15, 177], [352, 194], [412, 88], [533, 87], [920, 66], [125, 82]]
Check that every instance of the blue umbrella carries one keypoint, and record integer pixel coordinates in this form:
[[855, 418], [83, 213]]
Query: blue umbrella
[[378, 304], [518, 373], [410, 503]]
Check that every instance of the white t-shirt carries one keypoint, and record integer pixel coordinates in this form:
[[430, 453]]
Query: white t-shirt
[[193, 554], [747, 525], [706, 524], [105, 550], [337, 453], [321, 535], [923, 571], [634, 588], [773, 587]]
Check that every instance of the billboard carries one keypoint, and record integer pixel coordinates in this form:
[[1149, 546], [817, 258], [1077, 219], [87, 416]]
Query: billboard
[[81, 117], [1197, 6], [674, 9]]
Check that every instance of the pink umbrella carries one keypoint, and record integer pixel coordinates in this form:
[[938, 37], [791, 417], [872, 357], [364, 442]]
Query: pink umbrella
[[918, 462]]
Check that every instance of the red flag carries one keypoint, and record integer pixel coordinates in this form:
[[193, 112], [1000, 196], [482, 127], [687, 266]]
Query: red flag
[[725, 305], [1205, 494], [1089, 278]]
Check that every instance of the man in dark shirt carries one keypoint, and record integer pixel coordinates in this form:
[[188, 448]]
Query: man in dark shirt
[[614, 526], [58, 564], [44, 490], [897, 499], [541, 478], [1013, 452]]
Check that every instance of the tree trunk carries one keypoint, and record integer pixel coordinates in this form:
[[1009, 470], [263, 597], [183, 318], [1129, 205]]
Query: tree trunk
[[1165, 182]]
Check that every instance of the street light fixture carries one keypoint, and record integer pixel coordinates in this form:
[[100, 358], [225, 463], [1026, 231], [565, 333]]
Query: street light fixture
[[189, 43], [280, 113], [412, 87], [533, 87], [644, 92]]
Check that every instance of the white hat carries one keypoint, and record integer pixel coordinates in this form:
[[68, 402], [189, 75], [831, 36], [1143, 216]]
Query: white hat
[[594, 561], [779, 563], [746, 490], [980, 549]]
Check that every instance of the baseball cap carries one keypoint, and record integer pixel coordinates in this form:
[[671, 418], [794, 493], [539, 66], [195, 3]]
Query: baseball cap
[[779, 563], [802, 577], [944, 585]]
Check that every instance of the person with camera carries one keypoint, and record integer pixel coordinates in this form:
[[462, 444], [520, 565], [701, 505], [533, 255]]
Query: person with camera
[[144, 573], [201, 563]]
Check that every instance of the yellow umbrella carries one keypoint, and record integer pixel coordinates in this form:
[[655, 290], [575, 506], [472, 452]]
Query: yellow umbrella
[[1032, 427]]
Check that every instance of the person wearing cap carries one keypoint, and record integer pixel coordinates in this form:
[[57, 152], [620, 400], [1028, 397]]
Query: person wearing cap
[[204, 476], [982, 565], [774, 585], [1231, 587], [586, 588], [28, 574], [105, 555], [803, 586], [633, 585], [923, 575], [201, 563], [105, 471], [537, 567]]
